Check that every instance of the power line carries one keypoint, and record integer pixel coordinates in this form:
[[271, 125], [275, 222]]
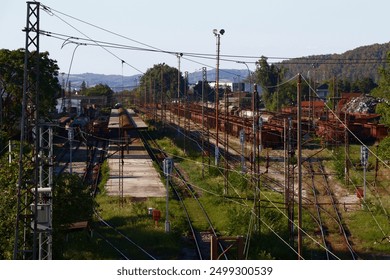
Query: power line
[[328, 60], [224, 57], [97, 43]]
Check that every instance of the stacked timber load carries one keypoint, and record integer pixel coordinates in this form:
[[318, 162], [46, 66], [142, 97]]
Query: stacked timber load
[[124, 119]]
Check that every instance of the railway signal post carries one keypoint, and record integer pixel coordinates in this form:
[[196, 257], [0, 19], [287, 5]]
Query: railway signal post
[[167, 168], [364, 162]]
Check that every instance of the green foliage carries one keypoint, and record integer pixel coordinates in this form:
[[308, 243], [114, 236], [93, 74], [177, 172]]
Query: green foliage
[[99, 89], [72, 202], [384, 110], [161, 78], [364, 85], [267, 76], [105, 175], [238, 220], [11, 87], [8, 210], [339, 164], [383, 92], [384, 149], [207, 92], [345, 66], [270, 77], [383, 88]]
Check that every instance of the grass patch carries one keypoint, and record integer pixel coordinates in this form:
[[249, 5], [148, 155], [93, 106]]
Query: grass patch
[[370, 232]]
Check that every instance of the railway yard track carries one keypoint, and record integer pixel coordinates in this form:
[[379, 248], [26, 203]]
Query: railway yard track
[[183, 192], [320, 199], [334, 233]]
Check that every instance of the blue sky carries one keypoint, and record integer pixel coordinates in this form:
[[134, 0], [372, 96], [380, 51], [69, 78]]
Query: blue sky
[[277, 28]]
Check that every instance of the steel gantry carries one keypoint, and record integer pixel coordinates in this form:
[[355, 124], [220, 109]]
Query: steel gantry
[[33, 227]]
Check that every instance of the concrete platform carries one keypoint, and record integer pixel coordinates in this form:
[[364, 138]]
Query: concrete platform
[[140, 179], [136, 121]]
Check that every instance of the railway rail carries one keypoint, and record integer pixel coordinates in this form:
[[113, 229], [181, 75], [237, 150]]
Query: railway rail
[[137, 251], [334, 232], [199, 237]]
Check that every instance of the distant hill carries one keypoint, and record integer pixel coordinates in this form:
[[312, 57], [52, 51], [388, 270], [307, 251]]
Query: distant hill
[[229, 75], [115, 82], [129, 82], [362, 62]]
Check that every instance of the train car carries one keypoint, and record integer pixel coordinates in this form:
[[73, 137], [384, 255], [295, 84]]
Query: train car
[[80, 122], [100, 126]]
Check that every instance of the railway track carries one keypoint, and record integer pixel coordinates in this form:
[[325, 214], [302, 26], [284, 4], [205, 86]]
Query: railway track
[[334, 233], [322, 204], [183, 192], [122, 244], [116, 240], [88, 154]]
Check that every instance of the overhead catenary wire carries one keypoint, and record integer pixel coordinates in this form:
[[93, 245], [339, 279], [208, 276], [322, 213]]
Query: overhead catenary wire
[[204, 57], [105, 48], [246, 205], [251, 207], [252, 59], [223, 57], [346, 127]]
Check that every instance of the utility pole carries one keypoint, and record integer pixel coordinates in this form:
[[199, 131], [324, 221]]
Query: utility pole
[[167, 168], [285, 161], [34, 192], [255, 156], [218, 36], [346, 149], [242, 142], [204, 73], [186, 110], [364, 162], [45, 192], [162, 96], [70, 139], [179, 55], [258, 177], [254, 129], [226, 126], [299, 164], [290, 181]]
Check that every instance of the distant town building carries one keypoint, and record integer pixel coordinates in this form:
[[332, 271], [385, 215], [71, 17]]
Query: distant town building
[[235, 87], [323, 91], [77, 104]]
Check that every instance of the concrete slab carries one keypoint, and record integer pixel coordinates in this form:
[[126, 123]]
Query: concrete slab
[[136, 120], [140, 179]]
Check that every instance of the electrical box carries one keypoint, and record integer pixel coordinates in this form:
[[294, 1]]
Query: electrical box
[[43, 216]]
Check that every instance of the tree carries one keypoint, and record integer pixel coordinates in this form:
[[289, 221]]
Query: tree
[[101, 90], [83, 88], [161, 78], [11, 88], [268, 76], [8, 210], [383, 92], [207, 91], [383, 108], [364, 85], [72, 202]]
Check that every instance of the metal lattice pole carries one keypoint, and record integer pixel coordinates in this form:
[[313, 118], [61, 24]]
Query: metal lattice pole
[[45, 193], [25, 243]]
